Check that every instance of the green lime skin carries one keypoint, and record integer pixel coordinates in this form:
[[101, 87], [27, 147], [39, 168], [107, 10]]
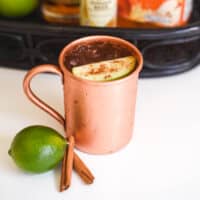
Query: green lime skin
[[17, 8], [37, 149]]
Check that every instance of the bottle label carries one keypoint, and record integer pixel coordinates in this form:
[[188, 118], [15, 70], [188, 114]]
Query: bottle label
[[98, 12], [161, 12], [187, 9]]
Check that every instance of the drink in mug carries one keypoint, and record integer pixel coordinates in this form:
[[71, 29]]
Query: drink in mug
[[100, 61], [99, 112]]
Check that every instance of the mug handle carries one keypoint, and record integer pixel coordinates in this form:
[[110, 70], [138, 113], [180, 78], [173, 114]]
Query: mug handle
[[78, 164], [33, 98]]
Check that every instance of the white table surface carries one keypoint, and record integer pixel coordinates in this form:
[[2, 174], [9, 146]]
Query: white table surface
[[161, 162]]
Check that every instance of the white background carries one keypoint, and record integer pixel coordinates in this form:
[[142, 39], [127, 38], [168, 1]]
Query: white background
[[161, 162]]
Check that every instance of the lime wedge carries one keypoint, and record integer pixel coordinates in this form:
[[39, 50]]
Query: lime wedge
[[106, 70]]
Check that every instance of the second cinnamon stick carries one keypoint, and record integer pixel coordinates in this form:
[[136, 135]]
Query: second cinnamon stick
[[69, 162]]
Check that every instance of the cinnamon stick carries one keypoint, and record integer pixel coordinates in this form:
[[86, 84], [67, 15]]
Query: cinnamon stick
[[72, 160], [69, 162], [82, 170], [67, 165], [62, 180]]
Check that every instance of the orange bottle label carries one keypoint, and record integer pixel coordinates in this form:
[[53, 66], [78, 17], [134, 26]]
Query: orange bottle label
[[161, 12]]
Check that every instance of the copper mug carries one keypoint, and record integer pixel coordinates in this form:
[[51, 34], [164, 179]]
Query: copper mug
[[100, 115]]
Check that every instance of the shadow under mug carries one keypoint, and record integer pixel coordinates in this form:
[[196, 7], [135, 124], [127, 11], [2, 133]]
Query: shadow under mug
[[100, 115]]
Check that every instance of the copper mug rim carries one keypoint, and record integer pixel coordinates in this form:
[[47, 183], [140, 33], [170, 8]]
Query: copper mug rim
[[72, 44]]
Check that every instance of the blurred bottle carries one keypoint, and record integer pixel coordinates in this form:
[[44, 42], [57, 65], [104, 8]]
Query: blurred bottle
[[61, 11], [99, 13], [154, 13]]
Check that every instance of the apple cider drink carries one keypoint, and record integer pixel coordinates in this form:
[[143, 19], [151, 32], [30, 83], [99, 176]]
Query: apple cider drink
[[100, 61]]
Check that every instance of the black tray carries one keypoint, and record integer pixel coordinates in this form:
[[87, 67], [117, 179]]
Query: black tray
[[31, 41]]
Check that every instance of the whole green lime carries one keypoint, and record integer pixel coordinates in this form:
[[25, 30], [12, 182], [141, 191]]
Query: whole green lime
[[37, 149], [17, 8]]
